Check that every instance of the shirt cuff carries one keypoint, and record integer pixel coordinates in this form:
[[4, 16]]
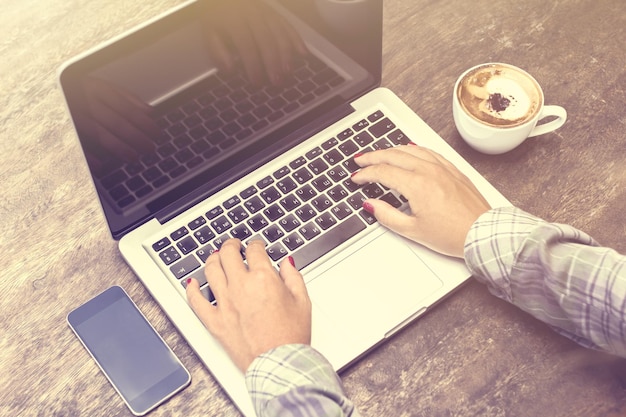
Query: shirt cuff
[[493, 243], [287, 368]]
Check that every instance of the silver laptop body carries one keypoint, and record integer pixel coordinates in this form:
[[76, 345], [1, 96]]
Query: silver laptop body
[[286, 182]]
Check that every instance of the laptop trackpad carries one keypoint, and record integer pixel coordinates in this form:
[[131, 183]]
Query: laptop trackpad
[[374, 289]]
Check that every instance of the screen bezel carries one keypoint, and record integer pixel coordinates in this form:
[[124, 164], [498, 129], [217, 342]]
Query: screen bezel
[[368, 52]]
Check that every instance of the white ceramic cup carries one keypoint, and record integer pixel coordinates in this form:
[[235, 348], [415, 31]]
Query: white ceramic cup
[[497, 106]]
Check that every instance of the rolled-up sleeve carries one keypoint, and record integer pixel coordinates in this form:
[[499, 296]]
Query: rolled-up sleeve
[[555, 272], [296, 380]]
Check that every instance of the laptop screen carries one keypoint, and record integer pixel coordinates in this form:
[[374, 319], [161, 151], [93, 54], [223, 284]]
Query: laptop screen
[[178, 109]]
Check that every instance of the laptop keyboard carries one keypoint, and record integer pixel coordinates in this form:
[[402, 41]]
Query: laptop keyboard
[[304, 209], [224, 110]]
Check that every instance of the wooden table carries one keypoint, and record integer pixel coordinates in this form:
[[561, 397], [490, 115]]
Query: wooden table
[[472, 355]]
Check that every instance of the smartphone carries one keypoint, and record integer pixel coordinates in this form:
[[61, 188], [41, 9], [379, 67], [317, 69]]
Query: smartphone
[[132, 355]]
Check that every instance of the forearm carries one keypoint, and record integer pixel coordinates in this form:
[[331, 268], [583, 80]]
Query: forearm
[[296, 380], [556, 273]]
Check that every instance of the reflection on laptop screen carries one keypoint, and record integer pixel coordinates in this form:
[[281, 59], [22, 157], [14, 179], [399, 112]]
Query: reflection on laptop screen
[[209, 92]]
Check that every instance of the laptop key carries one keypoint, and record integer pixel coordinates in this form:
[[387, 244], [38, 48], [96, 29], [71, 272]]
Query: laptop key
[[221, 224], [321, 202], [351, 185], [328, 241], [382, 144], [290, 202], [329, 143], [345, 134], [362, 124], [231, 202], [293, 241], [341, 210], [248, 192], [289, 223], [214, 212], [241, 232], [187, 245], [185, 266], [305, 213], [372, 190], [337, 174], [276, 251], [322, 182], [317, 166], [264, 182], [199, 276], [220, 241], [309, 230], [161, 244], [238, 214], [306, 192], [375, 116], [363, 139], [368, 217], [333, 156], [257, 222], [179, 233], [286, 185], [398, 137], [273, 212], [204, 252], [392, 200], [254, 204], [298, 162], [382, 127], [350, 165], [356, 200], [337, 193], [273, 233], [270, 195], [194, 224], [302, 175], [325, 220], [281, 172], [313, 153], [204, 234], [169, 255]]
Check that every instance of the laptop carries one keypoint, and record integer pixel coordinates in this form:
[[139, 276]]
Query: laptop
[[210, 122]]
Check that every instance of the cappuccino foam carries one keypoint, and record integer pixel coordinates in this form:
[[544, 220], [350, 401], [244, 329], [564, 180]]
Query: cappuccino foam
[[499, 95]]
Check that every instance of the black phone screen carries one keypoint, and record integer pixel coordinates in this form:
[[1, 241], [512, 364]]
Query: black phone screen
[[135, 359]]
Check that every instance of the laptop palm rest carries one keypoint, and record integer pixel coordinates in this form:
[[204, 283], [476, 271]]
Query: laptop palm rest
[[366, 295]]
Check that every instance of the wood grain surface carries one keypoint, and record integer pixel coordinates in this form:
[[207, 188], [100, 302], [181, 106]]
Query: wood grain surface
[[473, 355]]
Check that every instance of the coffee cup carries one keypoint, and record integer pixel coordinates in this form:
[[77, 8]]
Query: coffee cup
[[497, 106]]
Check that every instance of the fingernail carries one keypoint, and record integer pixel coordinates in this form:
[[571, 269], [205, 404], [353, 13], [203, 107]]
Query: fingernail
[[354, 173], [188, 281], [368, 207], [412, 143], [356, 155], [291, 261]]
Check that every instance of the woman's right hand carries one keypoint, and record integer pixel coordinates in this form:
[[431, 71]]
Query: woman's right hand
[[444, 203]]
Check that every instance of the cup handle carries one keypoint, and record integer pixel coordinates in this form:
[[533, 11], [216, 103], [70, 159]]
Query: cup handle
[[555, 111]]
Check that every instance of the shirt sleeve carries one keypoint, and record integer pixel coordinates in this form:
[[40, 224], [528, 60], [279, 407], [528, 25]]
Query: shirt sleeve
[[296, 380], [555, 272]]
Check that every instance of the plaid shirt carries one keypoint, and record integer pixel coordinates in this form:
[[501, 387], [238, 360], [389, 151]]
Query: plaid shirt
[[296, 381], [556, 273]]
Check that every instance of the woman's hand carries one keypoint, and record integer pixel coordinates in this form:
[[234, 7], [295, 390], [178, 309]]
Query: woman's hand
[[258, 308], [444, 203]]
